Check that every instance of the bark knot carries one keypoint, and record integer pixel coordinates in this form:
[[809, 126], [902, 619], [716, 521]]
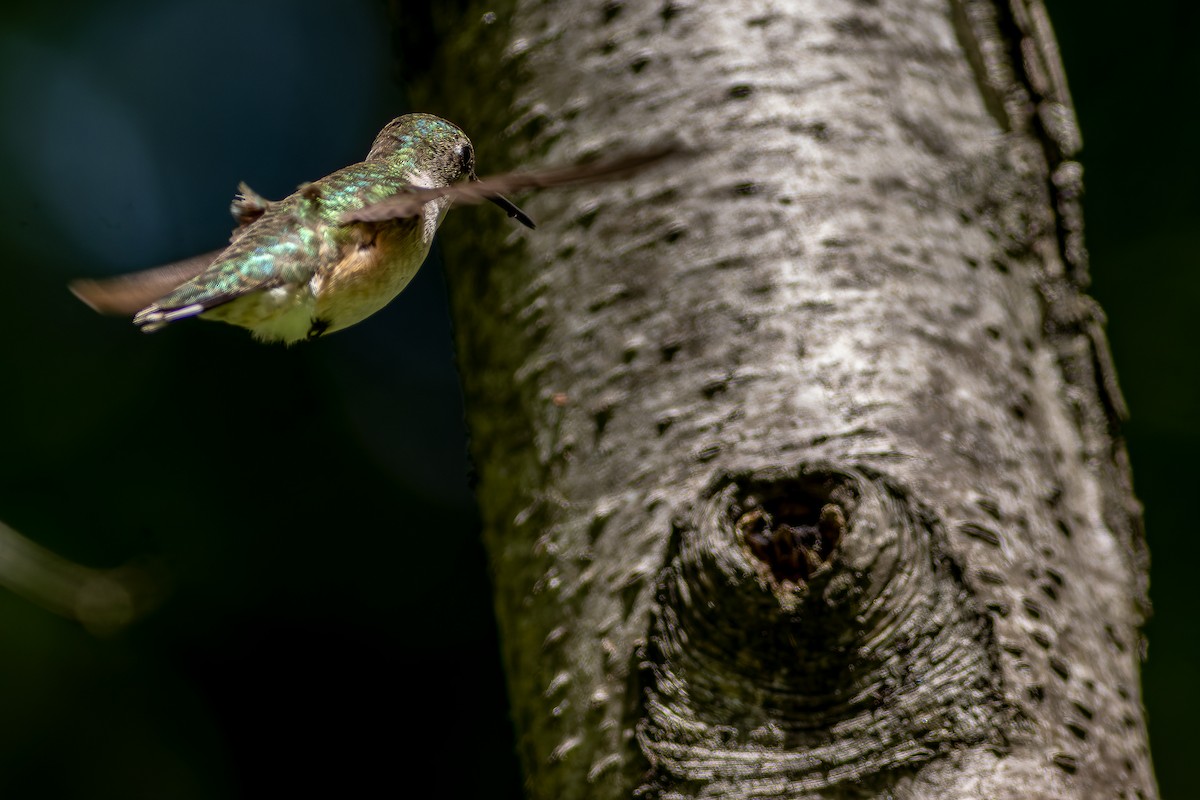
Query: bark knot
[[809, 632]]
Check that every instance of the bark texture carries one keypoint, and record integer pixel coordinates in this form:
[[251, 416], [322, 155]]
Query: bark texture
[[799, 459]]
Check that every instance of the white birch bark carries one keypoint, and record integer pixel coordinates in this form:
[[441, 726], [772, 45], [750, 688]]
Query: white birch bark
[[862, 298]]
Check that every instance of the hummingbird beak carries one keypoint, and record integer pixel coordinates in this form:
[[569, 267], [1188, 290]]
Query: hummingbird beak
[[509, 207], [512, 211]]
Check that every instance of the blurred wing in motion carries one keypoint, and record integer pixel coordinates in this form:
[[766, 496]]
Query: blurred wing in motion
[[125, 295], [493, 189]]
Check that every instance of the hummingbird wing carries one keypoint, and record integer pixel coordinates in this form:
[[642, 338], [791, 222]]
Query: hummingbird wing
[[410, 202], [126, 294]]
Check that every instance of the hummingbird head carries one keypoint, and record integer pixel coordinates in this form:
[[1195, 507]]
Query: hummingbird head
[[430, 145], [438, 150]]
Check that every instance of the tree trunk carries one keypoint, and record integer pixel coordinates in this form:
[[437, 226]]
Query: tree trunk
[[799, 458]]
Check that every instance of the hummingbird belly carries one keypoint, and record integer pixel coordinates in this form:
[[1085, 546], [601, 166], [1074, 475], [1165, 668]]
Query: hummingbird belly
[[373, 269], [281, 314]]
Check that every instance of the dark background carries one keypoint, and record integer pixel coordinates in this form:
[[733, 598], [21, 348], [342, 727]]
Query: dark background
[[290, 492]]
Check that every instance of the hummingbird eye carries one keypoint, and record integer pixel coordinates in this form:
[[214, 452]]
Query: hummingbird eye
[[466, 158]]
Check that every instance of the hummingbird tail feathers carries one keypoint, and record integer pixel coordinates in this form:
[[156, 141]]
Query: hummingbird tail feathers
[[152, 317], [126, 294]]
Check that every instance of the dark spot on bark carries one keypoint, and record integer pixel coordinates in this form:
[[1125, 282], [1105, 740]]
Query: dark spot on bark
[[992, 331], [981, 533], [972, 263], [1077, 730], [669, 350], [1084, 711], [566, 252], [601, 418], [714, 387], [761, 22], [596, 526], [609, 46], [639, 63], [317, 327], [1032, 608], [999, 266], [741, 91], [858, 27], [615, 294], [989, 576], [674, 232], [533, 125], [1017, 411], [1060, 668], [664, 424], [708, 453], [1063, 528], [669, 12], [990, 507], [999, 609], [611, 10], [1066, 763], [747, 189], [586, 219], [733, 262], [1043, 641], [1036, 693], [1120, 645], [1051, 591], [819, 131]]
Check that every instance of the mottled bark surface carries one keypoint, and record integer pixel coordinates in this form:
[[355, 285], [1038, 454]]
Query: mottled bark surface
[[799, 461]]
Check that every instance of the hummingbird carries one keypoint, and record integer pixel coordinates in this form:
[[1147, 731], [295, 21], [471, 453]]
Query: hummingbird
[[339, 248]]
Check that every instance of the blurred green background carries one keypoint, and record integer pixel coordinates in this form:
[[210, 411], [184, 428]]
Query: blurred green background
[[290, 492]]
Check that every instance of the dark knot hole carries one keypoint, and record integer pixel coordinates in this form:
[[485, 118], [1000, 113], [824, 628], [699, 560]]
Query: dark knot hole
[[794, 532]]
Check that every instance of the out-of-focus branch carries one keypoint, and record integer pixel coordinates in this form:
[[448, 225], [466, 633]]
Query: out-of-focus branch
[[102, 600]]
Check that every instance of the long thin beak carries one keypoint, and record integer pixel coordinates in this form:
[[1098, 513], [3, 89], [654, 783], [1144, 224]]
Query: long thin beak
[[509, 207], [512, 211]]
